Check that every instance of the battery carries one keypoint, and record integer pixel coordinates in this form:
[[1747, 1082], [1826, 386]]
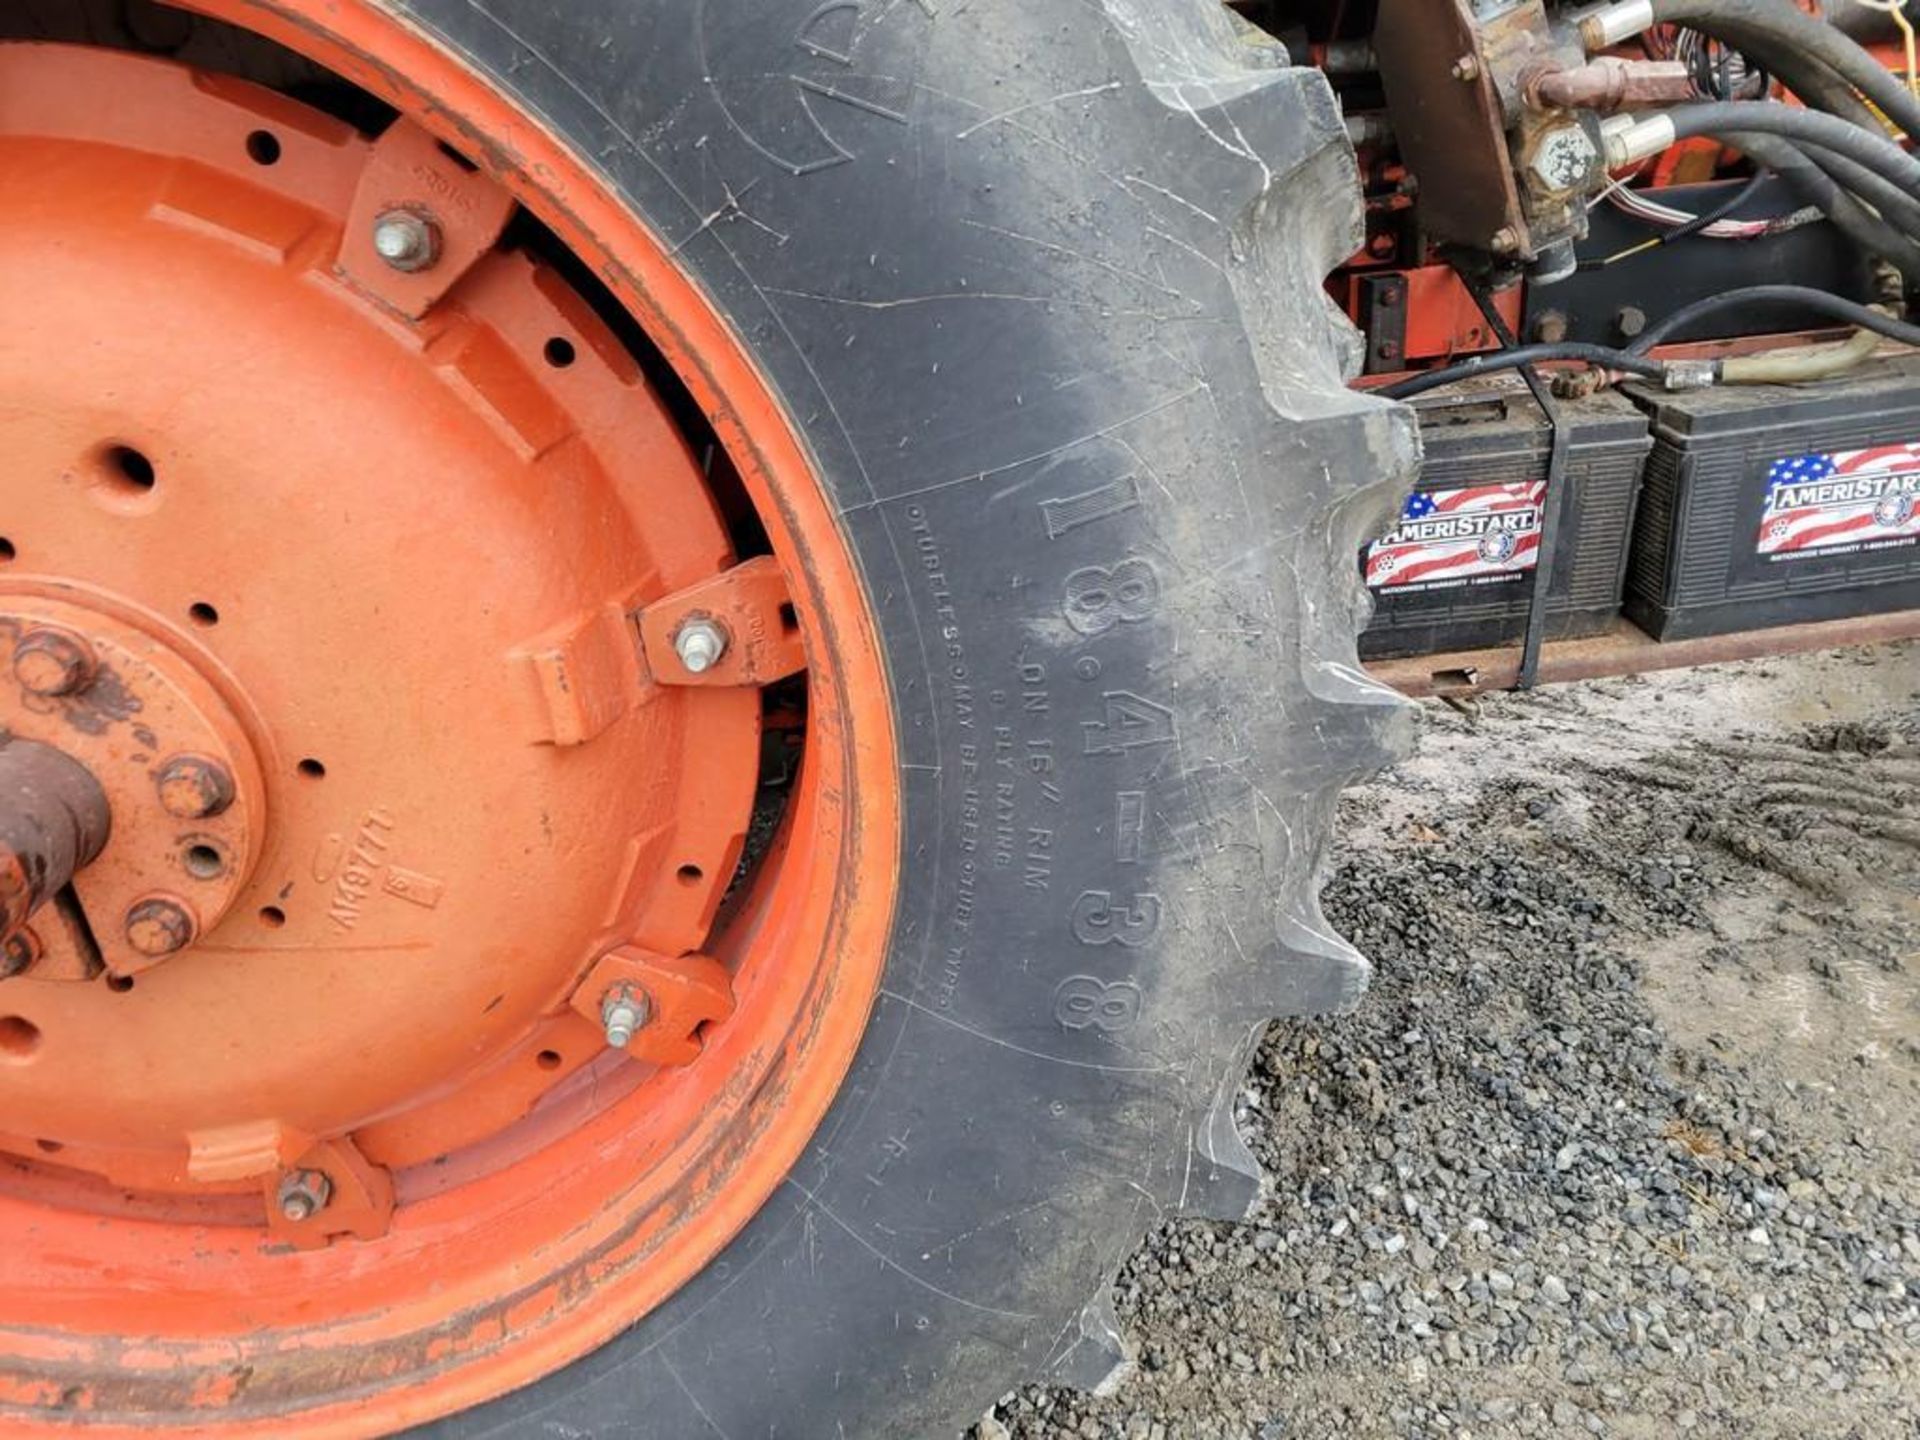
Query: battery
[[1458, 571], [1776, 505]]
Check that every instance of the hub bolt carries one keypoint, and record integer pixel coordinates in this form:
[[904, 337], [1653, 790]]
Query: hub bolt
[[20, 951], [304, 1194], [623, 1010], [52, 662], [700, 644], [406, 240], [193, 787], [159, 925]]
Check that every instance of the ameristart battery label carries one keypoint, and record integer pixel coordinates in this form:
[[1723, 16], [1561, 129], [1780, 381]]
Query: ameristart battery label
[[1481, 535], [1850, 501]]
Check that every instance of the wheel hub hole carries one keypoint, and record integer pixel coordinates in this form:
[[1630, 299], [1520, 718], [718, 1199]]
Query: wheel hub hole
[[19, 1038], [263, 147], [128, 471], [203, 614], [204, 862]]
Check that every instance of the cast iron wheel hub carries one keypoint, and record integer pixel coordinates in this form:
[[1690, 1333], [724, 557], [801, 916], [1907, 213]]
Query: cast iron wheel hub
[[331, 527]]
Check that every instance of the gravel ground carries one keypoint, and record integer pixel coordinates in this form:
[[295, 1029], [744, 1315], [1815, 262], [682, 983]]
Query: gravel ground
[[1624, 1140]]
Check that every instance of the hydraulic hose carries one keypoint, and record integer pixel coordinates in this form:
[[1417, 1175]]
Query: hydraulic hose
[[1722, 119], [1815, 83], [1896, 206], [1814, 364], [1799, 32], [1833, 307], [1523, 355], [1816, 187]]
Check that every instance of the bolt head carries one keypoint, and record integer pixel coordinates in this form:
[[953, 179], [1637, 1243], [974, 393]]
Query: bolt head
[[303, 1194], [52, 663], [699, 644], [19, 953], [160, 925], [193, 787], [1467, 67], [406, 240], [1564, 159], [1631, 321], [1551, 328]]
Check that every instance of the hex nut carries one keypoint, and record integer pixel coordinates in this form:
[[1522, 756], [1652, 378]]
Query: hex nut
[[406, 240], [1564, 158], [303, 1194], [699, 643], [623, 1010]]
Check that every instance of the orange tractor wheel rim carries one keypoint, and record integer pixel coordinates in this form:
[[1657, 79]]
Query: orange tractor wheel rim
[[401, 729]]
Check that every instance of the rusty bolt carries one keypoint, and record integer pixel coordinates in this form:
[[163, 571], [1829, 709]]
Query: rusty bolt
[[406, 240], [303, 1194], [1631, 321], [193, 787], [1551, 327], [160, 925], [623, 1010], [19, 953], [1467, 68], [52, 662], [699, 644]]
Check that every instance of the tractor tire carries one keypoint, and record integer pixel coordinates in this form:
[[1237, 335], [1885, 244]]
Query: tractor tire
[[1040, 290], [1043, 289]]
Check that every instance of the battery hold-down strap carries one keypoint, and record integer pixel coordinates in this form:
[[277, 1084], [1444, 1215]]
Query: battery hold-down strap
[[1536, 635]]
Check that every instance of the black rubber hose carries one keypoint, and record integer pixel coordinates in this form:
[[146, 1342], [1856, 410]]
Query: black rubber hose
[[1621, 360], [1896, 207], [1817, 188], [1798, 31], [1833, 307], [1722, 119]]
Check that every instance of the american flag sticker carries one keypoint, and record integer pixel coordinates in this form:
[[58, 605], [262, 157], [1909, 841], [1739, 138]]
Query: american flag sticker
[[1480, 535], [1852, 500]]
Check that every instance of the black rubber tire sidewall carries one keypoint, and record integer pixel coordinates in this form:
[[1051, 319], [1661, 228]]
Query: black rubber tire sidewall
[[1039, 284]]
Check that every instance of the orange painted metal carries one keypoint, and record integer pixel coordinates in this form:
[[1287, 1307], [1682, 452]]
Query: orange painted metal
[[318, 575], [752, 607], [1442, 319], [145, 699], [509, 1250], [681, 994], [408, 172], [353, 1197]]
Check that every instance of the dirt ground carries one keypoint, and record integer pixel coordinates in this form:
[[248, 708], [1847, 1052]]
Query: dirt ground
[[1624, 1140]]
